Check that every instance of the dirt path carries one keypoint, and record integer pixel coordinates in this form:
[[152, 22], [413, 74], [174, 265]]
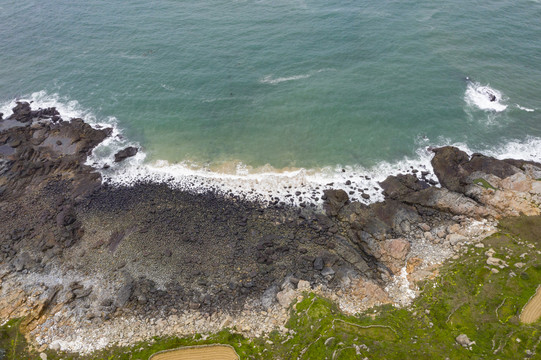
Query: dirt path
[[210, 352], [532, 310]]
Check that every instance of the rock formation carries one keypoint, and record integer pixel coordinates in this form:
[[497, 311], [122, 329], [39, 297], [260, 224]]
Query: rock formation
[[94, 254]]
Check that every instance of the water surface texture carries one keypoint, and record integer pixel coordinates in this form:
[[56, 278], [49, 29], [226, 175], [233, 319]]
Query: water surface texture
[[289, 83]]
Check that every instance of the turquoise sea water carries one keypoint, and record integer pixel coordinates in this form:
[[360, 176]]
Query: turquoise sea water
[[290, 83]]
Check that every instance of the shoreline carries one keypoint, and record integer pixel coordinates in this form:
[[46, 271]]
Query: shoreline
[[264, 183], [79, 251]]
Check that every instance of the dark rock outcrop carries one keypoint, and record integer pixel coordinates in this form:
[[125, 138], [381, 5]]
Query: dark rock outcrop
[[44, 150], [448, 164], [23, 113], [334, 201], [490, 165], [126, 153], [453, 167], [396, 187]]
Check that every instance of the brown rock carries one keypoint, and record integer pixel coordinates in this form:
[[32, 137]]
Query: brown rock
[[394, 252], [412, 264]]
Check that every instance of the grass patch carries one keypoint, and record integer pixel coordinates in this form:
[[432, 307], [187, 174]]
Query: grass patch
[[482, 182], [12, 343]]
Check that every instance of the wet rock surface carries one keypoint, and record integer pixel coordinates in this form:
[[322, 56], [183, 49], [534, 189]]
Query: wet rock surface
[[76, 247], [126, 153]]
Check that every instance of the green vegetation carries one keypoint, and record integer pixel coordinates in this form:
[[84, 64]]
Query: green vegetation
[[482, 182], [12, 343], [469, 297]]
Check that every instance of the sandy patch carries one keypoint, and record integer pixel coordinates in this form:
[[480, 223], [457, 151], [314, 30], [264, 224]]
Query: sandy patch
[[532, 311]]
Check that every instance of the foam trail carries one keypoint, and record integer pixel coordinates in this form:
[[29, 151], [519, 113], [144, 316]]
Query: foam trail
[[484, 97], [273, 81], [269, 80], [524, 108], [300, 187]]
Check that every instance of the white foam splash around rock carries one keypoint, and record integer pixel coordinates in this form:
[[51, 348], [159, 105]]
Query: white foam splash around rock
[[483, 97]]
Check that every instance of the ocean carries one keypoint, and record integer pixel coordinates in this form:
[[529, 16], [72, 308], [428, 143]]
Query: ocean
[[265, 97]]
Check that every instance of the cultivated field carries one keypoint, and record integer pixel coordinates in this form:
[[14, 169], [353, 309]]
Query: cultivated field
[[211, 352]]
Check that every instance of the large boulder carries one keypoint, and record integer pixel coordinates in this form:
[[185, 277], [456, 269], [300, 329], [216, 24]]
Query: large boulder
[[334, 201], [124, 293], [393, 253], [448, 164], [396, 215], [395, 187], [126, 153], [21, 112]]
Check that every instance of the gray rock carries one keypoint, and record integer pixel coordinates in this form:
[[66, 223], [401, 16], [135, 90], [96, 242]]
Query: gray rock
[[268, 296], [327, 271], [457, 239], [424, 226], [448, 166], [304, 285], [453, 167], [395, 187], [464, 341], [23, 261], [318, 263], [81, 293], [123, 295]]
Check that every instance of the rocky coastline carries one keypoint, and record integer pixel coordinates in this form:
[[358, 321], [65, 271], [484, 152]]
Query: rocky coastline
[[88, 265]]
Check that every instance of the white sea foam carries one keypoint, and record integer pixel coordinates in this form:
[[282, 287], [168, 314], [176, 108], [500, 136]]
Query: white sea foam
[[524, 108], [484, 97], [274, 185], [167, 87], [527, 149], [265, 183], [269, 79], [291, 187]]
